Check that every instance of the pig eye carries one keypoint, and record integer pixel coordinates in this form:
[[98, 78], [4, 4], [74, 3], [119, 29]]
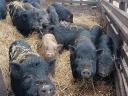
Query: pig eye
[[40, 19], [46, 48], [44, 91], [40, 82], [27, 76], [79, 57], [44, 26], [24, 16], [36, 64], [55, 49]]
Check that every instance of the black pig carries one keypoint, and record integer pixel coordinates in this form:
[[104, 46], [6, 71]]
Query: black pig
[[83, 56], [63, 13], [54, 19], [28, 71], [66, 35], [35, 3], [105, 58], [27, 18], [96, 32]]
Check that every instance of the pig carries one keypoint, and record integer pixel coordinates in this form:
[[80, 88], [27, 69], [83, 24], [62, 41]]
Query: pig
[[28, 71], [27, 18], [50, 49], [96, 32], [3, 9], [54, 18], [35, 3], [83, 56], [105, 58], [66, 35], [63, 13]]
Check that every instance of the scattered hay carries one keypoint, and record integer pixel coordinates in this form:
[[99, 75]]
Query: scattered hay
[[33, 40], [86, 21], [17, 4], [8, 34], [65, 84]]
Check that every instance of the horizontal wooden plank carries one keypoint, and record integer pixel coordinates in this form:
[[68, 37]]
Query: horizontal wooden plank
[[108, 19], [120, 81], [125, 84], [119, 18], [117, 84], [3, 91], [124, 53], [125, 69], [114, 30], [113, 33], [122, 1], [82, 2]]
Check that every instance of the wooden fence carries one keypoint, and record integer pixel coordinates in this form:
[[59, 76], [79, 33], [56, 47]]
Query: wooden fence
[[81, 2], [117, 27]]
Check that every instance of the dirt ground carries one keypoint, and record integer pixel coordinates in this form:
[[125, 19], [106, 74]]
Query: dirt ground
[[65, 84]]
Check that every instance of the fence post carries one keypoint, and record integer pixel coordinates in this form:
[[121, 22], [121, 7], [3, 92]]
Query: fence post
[[62, 2], [123, 6], [81, 2], [71, 2]]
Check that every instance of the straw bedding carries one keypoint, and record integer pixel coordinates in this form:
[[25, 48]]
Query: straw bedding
[[65, 84]]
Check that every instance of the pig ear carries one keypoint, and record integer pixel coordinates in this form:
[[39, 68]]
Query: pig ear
[[15, 69], [99, 51], [16, 66], [9, 7]]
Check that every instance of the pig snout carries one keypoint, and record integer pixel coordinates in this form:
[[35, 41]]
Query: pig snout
[[51, 56], [104, 73], [45, 26], [86, 73], [36, 28], [47, 90]]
